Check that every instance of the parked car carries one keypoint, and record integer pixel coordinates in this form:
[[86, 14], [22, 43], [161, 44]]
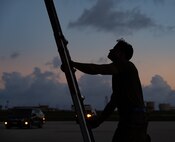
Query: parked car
[[24, 117], [90, 113]]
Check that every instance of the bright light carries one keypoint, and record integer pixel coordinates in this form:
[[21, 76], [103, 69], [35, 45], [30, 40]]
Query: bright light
[[89, 115], [44, 119], [5, 123], [26, 123]]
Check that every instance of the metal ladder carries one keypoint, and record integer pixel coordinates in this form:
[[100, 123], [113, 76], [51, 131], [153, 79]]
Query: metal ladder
[[69, 71]]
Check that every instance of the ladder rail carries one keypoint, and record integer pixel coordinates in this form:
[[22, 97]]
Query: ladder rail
[[69, 71]]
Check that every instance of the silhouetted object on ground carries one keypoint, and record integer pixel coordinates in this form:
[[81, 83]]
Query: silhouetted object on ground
[[127, 94]]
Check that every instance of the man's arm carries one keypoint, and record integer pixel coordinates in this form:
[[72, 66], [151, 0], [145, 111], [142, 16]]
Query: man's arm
[[110, 107], [104, 69], [108, 110]]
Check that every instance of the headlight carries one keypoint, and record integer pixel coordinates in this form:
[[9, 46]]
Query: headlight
[[89, 115], [5, 123], [26, 123]]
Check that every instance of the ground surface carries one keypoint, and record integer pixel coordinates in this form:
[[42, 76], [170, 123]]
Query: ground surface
[[69, 131]]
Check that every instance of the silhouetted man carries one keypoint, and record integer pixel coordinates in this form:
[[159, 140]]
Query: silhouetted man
[[127, 94]]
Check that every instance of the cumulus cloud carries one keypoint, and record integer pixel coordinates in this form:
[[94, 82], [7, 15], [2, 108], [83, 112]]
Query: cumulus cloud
[[103, 17], [159, 91], [95, 88], [34, 89], [47, 88]]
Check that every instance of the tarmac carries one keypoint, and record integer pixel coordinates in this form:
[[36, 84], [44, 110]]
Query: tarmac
[[69, 131]]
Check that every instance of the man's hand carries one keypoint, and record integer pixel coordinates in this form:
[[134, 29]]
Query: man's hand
[[93, 123], [63, 67]]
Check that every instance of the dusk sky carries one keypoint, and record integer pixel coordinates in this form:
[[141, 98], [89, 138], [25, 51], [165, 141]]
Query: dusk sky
[[29, 61]]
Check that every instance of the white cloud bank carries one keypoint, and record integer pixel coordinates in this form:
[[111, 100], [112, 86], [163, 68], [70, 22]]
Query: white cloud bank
[[46, 88]]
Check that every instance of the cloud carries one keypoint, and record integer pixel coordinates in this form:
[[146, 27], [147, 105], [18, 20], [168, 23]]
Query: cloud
[[14, 55], [33, 89], [101, 60], [95, 88], [103, 17], [55, 63], [159, 91], [47, 88]]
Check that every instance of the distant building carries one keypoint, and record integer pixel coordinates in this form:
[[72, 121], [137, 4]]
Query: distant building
[[150, 106], [172, 108], [164, 107], [44, 107]]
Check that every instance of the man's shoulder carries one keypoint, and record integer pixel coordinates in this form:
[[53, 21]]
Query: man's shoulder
[[131, 67], [128, 66]]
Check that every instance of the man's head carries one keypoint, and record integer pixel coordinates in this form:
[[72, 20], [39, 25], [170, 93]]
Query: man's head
[[122, 50]]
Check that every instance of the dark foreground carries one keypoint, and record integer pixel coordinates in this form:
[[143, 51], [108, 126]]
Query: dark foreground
[[68, 131]]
